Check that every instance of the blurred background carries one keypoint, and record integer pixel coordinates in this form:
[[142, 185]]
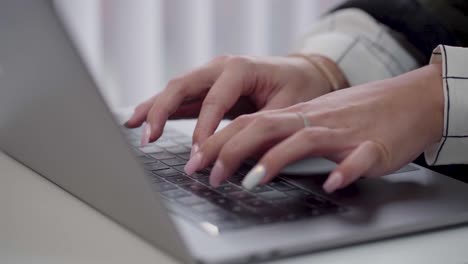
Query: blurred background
[[134, 48]]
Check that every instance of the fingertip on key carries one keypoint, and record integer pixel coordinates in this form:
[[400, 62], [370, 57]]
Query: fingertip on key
[[193, 164], [145, 136]]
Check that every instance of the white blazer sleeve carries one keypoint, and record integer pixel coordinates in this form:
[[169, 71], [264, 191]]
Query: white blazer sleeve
[[453, 148], [363, 48]]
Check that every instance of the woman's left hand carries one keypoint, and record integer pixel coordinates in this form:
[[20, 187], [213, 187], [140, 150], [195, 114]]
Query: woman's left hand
[[369, 130]]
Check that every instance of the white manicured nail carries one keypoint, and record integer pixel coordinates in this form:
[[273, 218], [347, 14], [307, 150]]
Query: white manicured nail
[[145, 137], [254, 177]]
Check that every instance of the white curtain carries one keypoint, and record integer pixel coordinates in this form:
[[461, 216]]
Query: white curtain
[[134, 47]]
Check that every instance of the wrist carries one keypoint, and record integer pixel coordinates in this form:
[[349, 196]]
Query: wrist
[[327, 69], [435, 87]]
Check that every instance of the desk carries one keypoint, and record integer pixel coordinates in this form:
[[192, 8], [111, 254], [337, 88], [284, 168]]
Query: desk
[[40, 223]]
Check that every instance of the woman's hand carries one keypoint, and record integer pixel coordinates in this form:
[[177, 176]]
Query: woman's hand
[[230, 85], [369, 130]]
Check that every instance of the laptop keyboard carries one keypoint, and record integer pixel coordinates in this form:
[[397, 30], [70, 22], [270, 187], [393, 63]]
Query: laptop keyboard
[[229, 206]]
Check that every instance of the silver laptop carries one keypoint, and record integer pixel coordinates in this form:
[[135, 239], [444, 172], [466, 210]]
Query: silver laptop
[[53, 120]]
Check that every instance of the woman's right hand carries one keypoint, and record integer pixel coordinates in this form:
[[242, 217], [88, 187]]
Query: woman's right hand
[[231, 86]]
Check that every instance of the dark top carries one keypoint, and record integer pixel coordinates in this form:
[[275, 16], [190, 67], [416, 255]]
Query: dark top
[[424, 23]]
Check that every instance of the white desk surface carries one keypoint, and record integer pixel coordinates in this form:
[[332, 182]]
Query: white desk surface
[[40, 223]]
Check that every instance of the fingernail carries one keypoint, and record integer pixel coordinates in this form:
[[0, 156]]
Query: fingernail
[[193, 164], [194, 150], [217, 174], [145, 137], [333, 182], [254, 177]]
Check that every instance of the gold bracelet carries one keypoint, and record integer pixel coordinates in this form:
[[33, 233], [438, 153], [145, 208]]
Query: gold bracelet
[[317, 61]]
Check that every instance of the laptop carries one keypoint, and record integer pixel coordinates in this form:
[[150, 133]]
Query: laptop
[[54, 121]]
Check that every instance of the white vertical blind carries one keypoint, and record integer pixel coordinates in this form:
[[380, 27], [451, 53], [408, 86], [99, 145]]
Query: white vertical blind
[[136, 46]]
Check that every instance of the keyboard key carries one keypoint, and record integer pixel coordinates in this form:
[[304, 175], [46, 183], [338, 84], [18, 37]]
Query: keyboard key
[[197, 175], [255, 203], [162, 155], [179, 168], [165, 143], [232, 206], [221, 201], [174, 161], [282, 186], [185, 156], [228, 188], [194, 187], [178, 150], [191, 200], [182, 140], [180, 180], [236, 179], [146, 159], [242, 195], [203, 179], [156, 179], [151, 149], [200, 190], [166, 173], [272, 195], [156, 166], [163, 186], [261, 188], [174, 194]]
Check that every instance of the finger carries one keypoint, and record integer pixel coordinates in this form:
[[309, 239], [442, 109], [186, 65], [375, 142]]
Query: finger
[[139, 114], [214, 143], [220, 99], [264, 131], [311, 141], [176, 93], [357, 164]]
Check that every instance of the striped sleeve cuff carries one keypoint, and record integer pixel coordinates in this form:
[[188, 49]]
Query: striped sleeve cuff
[[453, 148], [363, 49]]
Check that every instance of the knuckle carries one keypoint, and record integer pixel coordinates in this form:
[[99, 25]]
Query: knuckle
[[243, 120], [175, 85], [239, 63]]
